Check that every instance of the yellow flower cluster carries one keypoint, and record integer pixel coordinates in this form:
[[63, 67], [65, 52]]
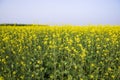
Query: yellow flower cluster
[[59, 52]]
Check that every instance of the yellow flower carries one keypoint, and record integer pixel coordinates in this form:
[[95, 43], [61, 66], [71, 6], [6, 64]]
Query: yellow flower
[[5, 39], [13, 52], [39, 47], [97, 51], [2, 51], [89, 41], [109, 69], [113, 76], [22, 77], [45, 42], [70, 41], [77, 39], [101, 62], [32, 75], [81, 79], [39, 62], [92, 65], [30, 62], [7, 57], [34, 36], [117, 58], [4, 61], [98, 47], [1, 78], [67, 48], [105, 46], [105, 54], [91, 76], [14, 72], [22, 63], [82, 55], [98, 39], [107, 39], [93, 30], [106, 74], [75, 66], [80, 45]]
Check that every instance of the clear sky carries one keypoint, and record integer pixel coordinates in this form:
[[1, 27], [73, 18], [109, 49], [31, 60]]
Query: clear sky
[[60, 12]]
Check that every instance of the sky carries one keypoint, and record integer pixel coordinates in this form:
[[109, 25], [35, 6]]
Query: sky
[[60, 12]]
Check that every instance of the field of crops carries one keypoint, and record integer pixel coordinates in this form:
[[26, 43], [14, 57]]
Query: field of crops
[[59, 53]]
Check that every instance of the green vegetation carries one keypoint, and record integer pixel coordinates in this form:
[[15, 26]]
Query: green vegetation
[[60, 53]]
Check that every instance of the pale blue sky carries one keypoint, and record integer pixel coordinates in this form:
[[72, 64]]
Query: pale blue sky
[[60, 12]]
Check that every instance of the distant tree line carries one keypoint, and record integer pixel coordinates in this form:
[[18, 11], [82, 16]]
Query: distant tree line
[[22, 25]]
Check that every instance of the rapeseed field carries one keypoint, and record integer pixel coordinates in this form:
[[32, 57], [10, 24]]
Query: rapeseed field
[[60, 52]]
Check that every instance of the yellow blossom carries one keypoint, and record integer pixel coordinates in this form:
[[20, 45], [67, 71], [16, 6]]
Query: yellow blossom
[[1, 78], [92, 65], [91, 76]]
